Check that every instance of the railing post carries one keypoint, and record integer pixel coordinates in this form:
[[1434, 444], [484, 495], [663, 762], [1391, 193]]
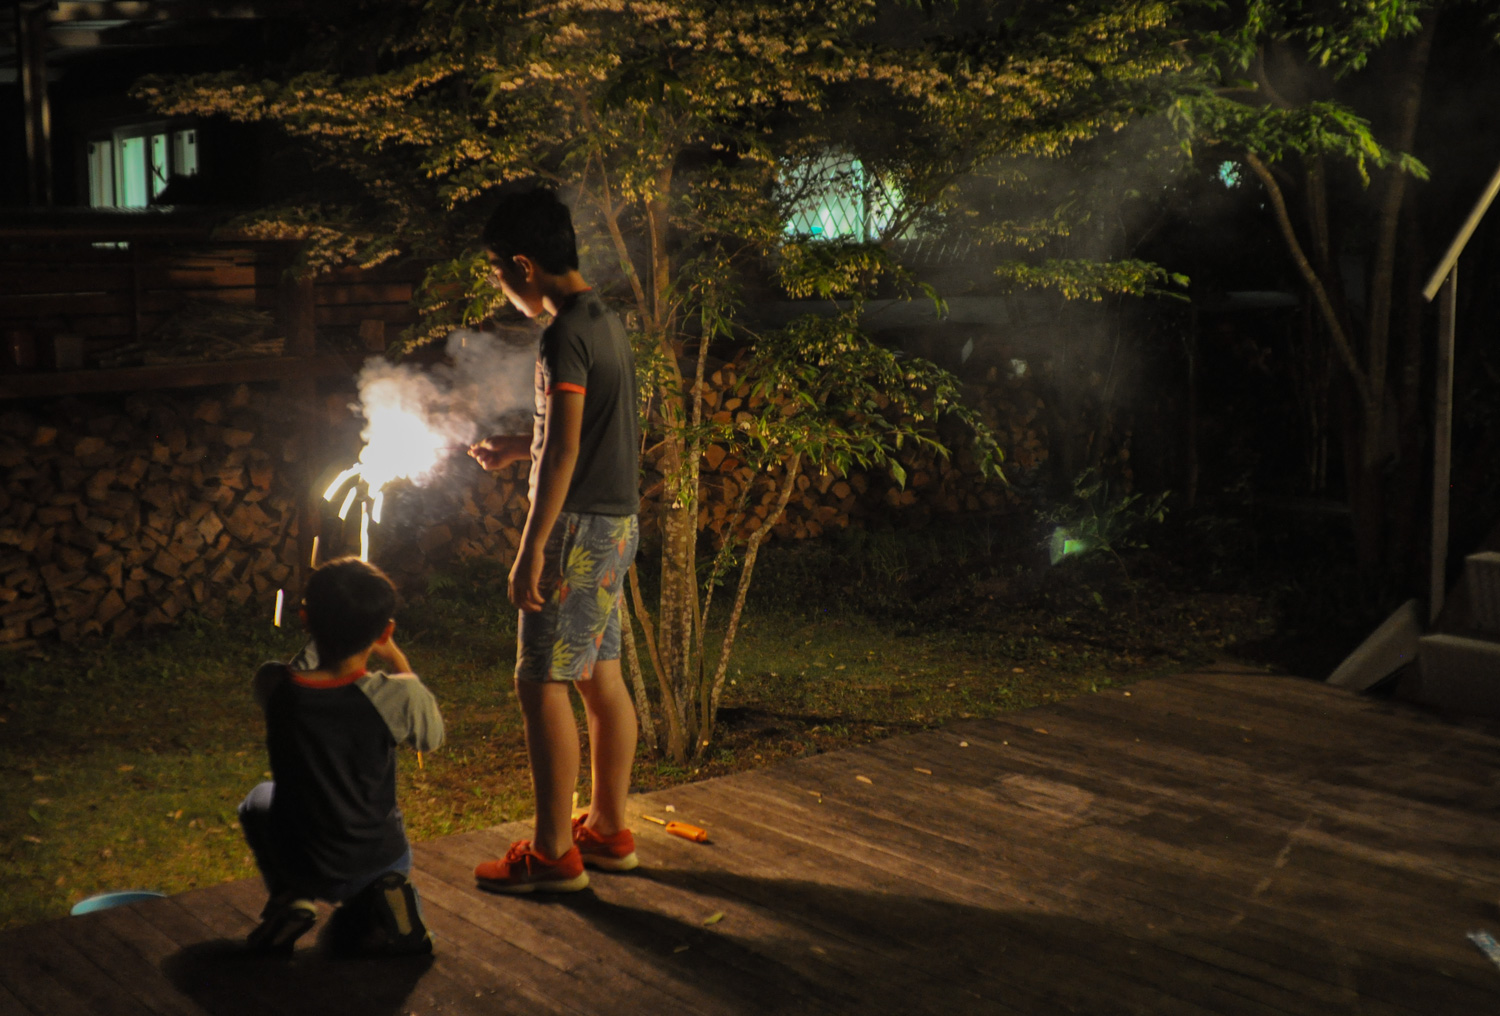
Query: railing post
[[1442, 443]]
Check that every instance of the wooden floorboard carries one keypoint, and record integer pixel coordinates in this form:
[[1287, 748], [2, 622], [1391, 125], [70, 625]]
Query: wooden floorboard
[[1226, 842]]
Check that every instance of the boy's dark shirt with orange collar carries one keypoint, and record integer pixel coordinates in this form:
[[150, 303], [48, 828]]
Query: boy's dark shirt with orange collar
[[586, 350], [333, 761]]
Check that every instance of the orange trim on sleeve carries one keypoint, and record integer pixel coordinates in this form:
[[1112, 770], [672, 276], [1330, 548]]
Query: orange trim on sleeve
[[563, 386]]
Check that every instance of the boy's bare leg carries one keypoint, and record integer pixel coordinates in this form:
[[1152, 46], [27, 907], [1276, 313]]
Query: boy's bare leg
[[612, 733], [552, 745]]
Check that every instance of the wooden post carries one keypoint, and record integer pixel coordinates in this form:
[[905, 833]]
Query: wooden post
[[31, 51], [295, 306], [1442, 443]]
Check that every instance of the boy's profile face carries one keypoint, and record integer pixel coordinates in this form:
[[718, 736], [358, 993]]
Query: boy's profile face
[[517, 278]]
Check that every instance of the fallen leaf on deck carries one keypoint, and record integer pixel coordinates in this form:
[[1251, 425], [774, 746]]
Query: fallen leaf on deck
[[124, 768], [1039, 730], [713, 918], [864, 779], [924, 772], [963, 744], [681, 949], [669, 807], [32, 839]]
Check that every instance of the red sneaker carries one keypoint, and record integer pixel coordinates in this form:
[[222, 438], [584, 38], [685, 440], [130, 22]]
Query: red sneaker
[[611, 853], [523, 870]]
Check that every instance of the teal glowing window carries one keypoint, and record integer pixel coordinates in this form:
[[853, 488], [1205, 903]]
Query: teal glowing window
[[835, 197], [133, 167], [131, 174]]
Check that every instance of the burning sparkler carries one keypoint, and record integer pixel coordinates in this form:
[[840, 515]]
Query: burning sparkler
[[402, 442], [414, 418]]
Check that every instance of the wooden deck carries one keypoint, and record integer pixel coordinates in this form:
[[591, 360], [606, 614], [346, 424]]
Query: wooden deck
[[1223, 842]]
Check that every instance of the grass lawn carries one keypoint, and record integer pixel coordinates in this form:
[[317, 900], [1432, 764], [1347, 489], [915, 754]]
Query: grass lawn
[[121, 764]]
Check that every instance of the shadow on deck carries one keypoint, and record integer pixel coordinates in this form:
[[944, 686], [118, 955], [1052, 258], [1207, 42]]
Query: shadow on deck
[[1224, 842]]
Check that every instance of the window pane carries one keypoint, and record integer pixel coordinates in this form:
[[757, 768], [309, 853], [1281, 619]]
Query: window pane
[[133, 173], [160, 167], [101, 174], [185, 153]]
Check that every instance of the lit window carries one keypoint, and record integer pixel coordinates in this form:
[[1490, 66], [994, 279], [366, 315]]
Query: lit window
[[132, 167], [131, 173], [185, 153], [161, 166], [834, 197], [101, 174]]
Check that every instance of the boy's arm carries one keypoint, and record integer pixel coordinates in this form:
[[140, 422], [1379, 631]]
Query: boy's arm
[[408, 708], [391, 654], [500, 450], [563, 425]]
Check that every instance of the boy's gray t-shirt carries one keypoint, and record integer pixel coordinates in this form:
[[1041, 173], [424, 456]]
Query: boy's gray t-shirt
[[586, 350]]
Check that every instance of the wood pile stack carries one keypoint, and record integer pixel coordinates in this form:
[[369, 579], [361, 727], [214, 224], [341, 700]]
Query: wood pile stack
[[127, 515], [484, 520], [113, 520]]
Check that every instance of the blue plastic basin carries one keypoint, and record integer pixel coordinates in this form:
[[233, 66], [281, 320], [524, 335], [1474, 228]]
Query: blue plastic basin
[[116, 899]]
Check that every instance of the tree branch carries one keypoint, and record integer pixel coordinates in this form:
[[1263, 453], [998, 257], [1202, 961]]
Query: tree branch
[[1310, 276], [752, 548]]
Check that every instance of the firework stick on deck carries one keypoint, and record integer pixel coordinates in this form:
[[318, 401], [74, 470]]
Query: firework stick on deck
[[688, 832]]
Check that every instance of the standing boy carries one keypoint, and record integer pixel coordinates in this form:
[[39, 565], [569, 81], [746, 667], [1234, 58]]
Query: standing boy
[[579, 541], [327, 826]]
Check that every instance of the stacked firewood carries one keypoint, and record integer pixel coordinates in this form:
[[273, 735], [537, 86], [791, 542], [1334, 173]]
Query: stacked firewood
[[114, 520]]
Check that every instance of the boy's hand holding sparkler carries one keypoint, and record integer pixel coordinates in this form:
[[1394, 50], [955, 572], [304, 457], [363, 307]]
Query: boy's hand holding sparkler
[[501, 450]]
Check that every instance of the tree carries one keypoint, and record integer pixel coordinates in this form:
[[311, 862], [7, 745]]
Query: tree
[[1322, 101], [676, 127]]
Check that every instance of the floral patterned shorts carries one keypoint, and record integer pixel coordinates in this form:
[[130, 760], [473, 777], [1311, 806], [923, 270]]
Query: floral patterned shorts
[[584, 566]]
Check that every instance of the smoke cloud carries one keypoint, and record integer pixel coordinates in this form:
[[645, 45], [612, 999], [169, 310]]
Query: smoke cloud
[[415, 416]]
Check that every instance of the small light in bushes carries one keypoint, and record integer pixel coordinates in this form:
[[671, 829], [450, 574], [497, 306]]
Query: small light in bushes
[[1063, 543]]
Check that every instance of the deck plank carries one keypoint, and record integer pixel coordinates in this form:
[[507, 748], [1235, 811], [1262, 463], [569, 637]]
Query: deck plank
[[1222, 842]]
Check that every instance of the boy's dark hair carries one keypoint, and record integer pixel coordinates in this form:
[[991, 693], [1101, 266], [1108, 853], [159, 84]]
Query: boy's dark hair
[[534, 223], [348, 602]]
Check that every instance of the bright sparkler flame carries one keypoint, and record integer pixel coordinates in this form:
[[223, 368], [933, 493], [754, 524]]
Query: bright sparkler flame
[[399, 445]]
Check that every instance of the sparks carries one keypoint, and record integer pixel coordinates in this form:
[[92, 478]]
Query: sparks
[[280, 597], [312, 562], [364, 532], [376, 505], [339, 481], [348, 503]]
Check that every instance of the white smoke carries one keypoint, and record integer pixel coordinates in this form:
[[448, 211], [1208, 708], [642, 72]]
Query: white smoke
[[416, 417]]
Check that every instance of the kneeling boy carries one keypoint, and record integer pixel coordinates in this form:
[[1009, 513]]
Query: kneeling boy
[[327, 826]]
